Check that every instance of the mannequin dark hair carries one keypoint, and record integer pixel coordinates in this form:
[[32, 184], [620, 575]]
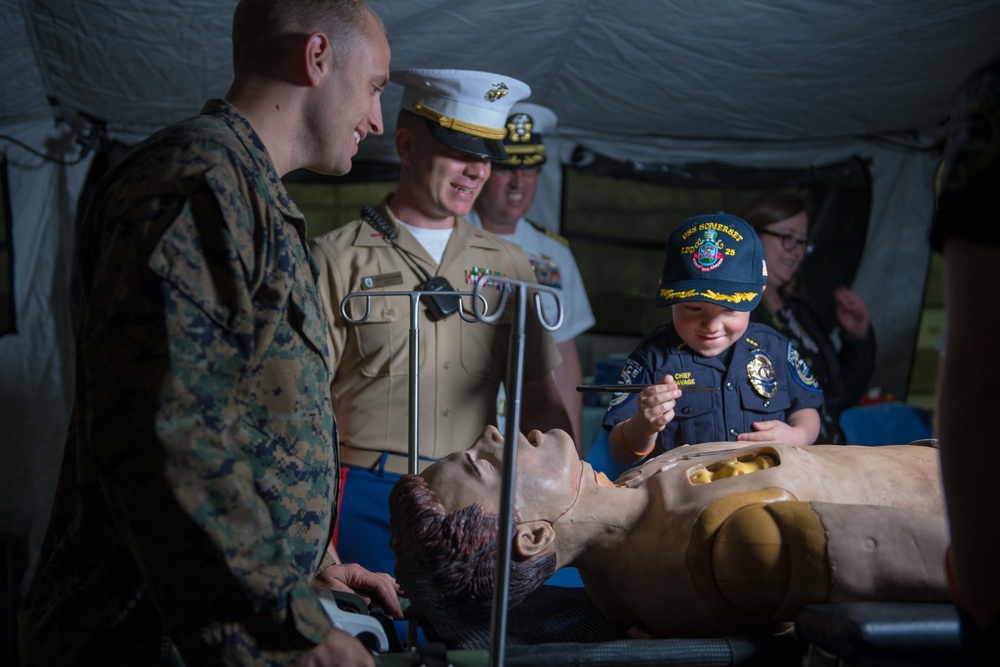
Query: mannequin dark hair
[[446, 562]]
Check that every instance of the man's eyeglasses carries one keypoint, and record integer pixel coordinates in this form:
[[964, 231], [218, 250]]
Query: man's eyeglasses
[[789, 241]]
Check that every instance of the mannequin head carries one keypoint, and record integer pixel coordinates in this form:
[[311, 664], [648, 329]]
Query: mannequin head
[[445, 521], [446, 561]]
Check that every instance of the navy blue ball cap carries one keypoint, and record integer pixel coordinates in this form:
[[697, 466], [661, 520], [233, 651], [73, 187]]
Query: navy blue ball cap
[[715, 258]]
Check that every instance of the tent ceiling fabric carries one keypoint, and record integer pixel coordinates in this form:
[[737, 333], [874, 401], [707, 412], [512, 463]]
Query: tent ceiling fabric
[[779, 70]]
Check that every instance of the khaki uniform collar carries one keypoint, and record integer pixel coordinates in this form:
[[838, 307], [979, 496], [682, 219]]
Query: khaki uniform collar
[[464, 235]]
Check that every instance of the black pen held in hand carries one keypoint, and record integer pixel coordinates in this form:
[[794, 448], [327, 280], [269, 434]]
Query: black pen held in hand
[[631, 388]]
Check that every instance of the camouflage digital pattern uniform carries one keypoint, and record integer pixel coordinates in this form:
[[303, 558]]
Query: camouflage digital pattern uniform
[[201, 467]]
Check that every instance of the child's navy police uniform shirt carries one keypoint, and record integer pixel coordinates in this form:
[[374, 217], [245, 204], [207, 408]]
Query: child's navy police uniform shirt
[[761, 377]]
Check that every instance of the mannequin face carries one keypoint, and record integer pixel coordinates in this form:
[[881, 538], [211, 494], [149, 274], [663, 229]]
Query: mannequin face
[[549, 474]]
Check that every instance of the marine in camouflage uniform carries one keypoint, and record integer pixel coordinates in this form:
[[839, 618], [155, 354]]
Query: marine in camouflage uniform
[[200, 468]]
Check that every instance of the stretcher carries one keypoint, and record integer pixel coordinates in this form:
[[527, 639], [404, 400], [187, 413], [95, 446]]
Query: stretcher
[[561, 626]]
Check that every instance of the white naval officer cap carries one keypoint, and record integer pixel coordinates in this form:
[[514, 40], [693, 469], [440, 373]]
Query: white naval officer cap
[[465, 109]]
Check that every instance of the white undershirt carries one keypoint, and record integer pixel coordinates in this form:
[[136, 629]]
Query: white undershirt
[[434, 241]]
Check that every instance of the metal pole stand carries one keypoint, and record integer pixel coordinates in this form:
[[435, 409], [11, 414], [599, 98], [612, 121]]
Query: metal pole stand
[[515, 376]]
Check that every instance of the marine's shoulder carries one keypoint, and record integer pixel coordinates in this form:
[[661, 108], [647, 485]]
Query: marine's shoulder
[[340, 238], [483, 239], [205, 131], [183, 152]]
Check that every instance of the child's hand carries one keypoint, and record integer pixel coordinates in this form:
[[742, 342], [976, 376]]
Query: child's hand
[[655, 409], [801, 429], [770, 432], [655, 405]]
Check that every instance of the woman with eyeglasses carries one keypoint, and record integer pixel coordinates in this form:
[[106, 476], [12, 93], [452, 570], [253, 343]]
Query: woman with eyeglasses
[[842, 360]]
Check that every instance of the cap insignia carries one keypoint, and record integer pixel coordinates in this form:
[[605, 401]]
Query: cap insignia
[[496, 92], [708, 251], [519, 128]]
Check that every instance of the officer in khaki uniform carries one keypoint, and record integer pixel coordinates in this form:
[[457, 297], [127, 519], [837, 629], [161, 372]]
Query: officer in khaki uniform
[[450, 128]]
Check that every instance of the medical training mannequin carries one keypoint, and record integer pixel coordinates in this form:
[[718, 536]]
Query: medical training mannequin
[[701, 540]]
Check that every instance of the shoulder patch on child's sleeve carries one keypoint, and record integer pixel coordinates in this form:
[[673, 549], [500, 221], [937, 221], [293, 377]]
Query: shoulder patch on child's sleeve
[[631, 372], [800, 369]]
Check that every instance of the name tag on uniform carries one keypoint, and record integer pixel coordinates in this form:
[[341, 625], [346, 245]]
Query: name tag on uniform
[[384, 280]]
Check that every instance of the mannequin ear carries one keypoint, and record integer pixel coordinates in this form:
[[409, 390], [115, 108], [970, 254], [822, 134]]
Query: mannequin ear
[[534, 538]]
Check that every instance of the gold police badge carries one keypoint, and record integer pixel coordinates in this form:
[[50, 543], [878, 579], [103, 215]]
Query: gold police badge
[[760, 371]]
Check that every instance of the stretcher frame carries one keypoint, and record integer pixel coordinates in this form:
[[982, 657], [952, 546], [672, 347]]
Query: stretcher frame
[[647, 651], [513, 383]]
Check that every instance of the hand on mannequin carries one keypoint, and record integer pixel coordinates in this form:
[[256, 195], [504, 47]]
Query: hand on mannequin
[[339, 649], [801, 429], [352, 578], [852, 313]]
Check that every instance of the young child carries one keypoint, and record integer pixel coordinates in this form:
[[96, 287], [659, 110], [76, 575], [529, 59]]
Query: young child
[[714, 376]]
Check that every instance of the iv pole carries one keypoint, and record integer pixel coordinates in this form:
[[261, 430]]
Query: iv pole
[[515, 376]]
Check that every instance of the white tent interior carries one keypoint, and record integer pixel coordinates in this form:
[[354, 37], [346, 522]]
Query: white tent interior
[[765, 83]]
